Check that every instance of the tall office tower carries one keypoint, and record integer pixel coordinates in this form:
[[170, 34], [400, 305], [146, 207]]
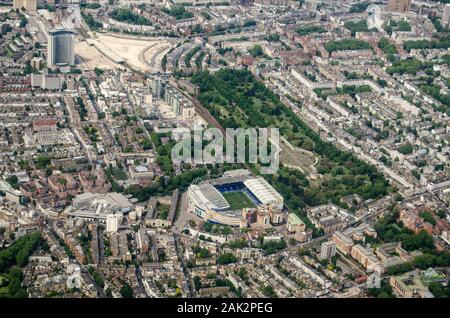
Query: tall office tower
[[399, 5], [446, 16], [60, 48], [28, 5], [328, 250]]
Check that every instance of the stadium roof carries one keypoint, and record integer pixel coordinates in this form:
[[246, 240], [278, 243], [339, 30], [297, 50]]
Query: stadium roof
[[263, 190], [237, 173], [226, 180], [213, 197]]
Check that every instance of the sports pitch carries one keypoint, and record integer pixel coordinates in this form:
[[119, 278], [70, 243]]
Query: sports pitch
[[238, 200]]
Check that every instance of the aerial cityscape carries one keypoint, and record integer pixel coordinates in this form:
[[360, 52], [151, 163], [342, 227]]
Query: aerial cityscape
[[339, 186]]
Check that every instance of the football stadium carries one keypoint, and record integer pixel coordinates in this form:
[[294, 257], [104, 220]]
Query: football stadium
[[222, 200]]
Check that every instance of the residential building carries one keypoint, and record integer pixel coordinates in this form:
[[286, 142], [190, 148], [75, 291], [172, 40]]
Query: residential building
[[113, 222], [410, 285], [328, 250], [399, 5], [295, 224], [446, 16], [28, 5], [343, 242]]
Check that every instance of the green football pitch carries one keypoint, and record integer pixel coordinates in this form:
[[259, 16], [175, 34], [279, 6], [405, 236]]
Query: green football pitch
[[238, 200]]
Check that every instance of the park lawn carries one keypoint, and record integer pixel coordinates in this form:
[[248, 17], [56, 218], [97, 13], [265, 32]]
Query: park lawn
[[238, 200], [119, 174], [163, 211], [4, 290], [3, 280], [9, 52]]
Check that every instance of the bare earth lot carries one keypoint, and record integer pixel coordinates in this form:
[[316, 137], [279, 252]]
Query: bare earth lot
[[144, 54], [297, 158], [91, 58]]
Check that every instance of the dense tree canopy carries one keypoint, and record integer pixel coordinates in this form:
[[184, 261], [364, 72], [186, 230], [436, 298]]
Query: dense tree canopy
[[179, 12], [359, 7], [19, 251], [126, 291], [126, 15], [310, 29], [347, 44], [14, 257], [226, 258], [443, 43], [390, 230], [357, 26]]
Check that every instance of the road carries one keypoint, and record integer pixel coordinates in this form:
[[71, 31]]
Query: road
[[183, 216], [83, 268], [349, 264], [184, 267], [140, 280], [309, 244]]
